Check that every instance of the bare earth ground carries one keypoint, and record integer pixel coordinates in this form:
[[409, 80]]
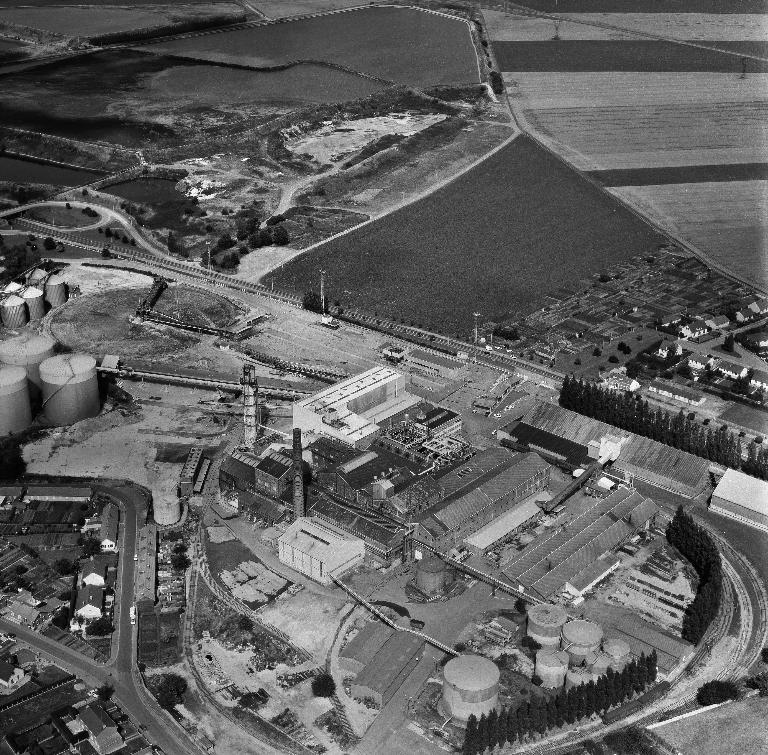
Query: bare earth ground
[[687, 26]]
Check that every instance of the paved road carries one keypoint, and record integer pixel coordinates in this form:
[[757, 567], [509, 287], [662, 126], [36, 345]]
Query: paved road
[[120, 670]]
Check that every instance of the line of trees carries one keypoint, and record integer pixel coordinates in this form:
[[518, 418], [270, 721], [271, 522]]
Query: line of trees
[[696, 544], [630, 412], [539, 714]]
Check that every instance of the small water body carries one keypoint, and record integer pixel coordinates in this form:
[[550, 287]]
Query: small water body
[[20, 170]]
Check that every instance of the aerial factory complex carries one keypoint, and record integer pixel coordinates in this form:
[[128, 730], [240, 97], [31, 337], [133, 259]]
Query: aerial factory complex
[[384, 378]]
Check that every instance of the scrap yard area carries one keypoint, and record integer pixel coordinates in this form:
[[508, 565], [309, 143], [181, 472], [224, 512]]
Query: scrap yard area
[[384, 378]]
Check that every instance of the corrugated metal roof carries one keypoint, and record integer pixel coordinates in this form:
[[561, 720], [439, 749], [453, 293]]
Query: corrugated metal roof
[[367, 642], [743, 490], [391, 659]]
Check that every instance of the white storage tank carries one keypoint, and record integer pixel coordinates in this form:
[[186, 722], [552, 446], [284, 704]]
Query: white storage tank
[[38, 274], [580, 639], [15, 410], [70, 388], [551, 667], [470, 686], [166, 511], [12, 288], [33, 298], [545, 622], [618, 651], [13, 312], [56, 290], [27, 350], [576, 676]]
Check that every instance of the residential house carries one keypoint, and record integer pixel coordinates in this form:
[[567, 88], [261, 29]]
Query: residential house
[[759, 306], [759, 380], [677, 392], [94, 573], [732, 369], [102, 730], [670, 317], [693, 329], [717, 323], [668, 348], [617, 380], [11, 677], [89, 603], [744, 315], [108, 532]]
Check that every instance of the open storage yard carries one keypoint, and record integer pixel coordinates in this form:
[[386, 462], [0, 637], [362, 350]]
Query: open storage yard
[[405, 45], [521, 224]]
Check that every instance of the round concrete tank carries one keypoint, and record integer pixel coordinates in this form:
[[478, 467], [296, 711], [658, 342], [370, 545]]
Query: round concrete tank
[[432, 575], [13, 312], [600, 664], [56, 290], [580, 638], [15, 411], [619, 652], [545, 621], [27, 350], [166, 511], [551, 666], [12, 288], [470, 685], [576, 676], [70, 388], [36, 275], [33, 298]]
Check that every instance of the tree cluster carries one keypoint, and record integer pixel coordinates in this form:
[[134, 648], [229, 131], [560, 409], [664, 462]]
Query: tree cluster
[[323, 685], [170, 690], [630, 412], [716, 691], [539, 714], [100, 628], [696, 544], [17, 259]]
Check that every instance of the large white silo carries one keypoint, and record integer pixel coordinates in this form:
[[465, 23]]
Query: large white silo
[[70, 388], [13, 312], [27, 350], [15, 410], [33, 298]]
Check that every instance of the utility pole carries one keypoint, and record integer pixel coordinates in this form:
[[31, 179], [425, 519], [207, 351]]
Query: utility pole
[[476, 315], [322, 291]]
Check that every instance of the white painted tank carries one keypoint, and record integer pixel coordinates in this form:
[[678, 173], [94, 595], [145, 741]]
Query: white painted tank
[[56, 290], [580, 639], [15, 410], [33, 297], [27, 350], [12, 288], [470, 686], [551, 666], [545, 622], [13, 312], [166, 510], [618, 651], [70, 388]]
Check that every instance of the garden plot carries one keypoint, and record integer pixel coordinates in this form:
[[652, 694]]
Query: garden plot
[[725, 220], [503, 27], [334, 141]]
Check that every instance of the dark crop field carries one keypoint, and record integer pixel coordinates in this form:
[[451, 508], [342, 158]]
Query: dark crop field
[[650, 6], [398, 44], [627, 55], [686, 174], [495, 241]]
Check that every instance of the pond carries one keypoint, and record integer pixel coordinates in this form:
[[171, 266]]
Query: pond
[[19, 170]]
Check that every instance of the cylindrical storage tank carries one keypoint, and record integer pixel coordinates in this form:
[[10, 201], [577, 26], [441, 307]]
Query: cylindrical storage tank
[[12, 288], [580, 638], [551, 666], [432, 575], [545, 622], [619, 652], [15, 410], [29, 351], [56, 290], [70, 388], [576, 676], [166, 511], [36, 275], [13, 312], [470, 686], [600, 664], [33, 297]]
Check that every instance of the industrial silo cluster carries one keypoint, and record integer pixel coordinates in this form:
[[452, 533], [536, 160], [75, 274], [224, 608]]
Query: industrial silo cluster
[[64, 386], [572, 652], [22, 303]]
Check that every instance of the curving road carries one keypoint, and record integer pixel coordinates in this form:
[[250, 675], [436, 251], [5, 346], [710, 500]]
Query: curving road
[[120, 671]]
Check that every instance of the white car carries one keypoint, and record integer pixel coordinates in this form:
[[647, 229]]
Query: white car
[[133, 614]]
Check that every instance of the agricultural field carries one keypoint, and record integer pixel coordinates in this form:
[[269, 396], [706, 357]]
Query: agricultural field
[[685, 174], [651, 6], [522, 224], [746, 416], [402, 45], [84, 22]]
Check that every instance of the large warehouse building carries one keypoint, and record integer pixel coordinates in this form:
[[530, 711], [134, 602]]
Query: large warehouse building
[[351, 410], [492, 483], [743, 498], [546, 425]]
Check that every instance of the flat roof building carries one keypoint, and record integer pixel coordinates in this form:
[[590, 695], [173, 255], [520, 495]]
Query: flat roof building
[[433, 364], [351, 410], [743, 498], [58, 493]]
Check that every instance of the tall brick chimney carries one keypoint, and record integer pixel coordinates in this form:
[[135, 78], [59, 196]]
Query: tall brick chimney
[[299, 505]]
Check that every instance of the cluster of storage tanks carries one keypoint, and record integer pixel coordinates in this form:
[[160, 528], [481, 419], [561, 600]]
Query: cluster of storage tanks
[[572, 652], [64, 385], [20, 304]]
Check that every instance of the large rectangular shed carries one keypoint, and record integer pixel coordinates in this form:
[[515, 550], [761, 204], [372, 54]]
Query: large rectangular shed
[[362, 648], [743, 498]]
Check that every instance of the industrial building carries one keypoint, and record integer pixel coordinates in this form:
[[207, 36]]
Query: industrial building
[[60, 494], [433, 364], [646, 459], [319, 549], [489, 485], [389, 668], [189, 470], [743, 498], [470, 688], [561, 554], [677, 392], [351, 411], [361, 649], [595, 573], [269, 473]]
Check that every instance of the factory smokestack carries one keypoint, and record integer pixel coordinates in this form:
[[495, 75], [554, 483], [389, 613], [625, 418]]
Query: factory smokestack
[[250, 385], [299, 508]]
